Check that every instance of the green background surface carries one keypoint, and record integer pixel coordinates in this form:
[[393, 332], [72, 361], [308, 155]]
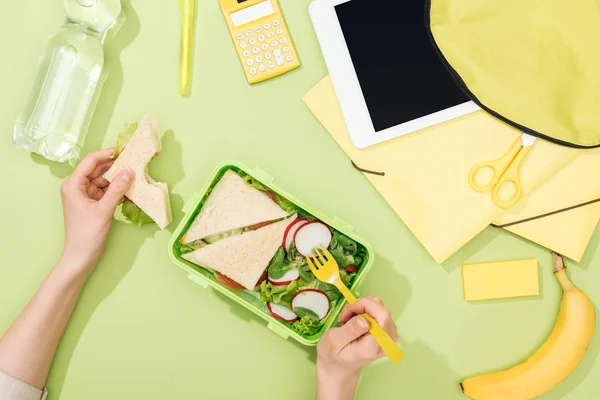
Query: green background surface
[[143, 330]]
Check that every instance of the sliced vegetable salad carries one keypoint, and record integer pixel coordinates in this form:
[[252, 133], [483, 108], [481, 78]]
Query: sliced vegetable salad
[[288, 290]]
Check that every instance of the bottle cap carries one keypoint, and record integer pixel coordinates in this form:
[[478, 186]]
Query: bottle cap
[[98, 15]]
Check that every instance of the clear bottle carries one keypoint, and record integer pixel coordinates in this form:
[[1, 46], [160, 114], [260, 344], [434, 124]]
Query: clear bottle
[[67, 83]]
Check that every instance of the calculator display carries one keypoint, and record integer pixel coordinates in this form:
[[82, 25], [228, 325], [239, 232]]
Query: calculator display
[[401, 76], [252, 13]]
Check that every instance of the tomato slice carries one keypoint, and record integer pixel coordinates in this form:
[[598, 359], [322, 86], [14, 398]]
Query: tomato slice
[[228, 282], [263, 278], [271, 195], [351, 269]]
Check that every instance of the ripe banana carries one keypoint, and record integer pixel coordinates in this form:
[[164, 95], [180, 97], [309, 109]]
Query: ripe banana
[[554, 361]]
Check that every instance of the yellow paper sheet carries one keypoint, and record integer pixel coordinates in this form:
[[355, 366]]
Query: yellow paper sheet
[[426, 173], [500, 280], [567, 233]]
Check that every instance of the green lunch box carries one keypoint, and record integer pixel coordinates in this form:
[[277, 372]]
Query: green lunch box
[[206, 278]]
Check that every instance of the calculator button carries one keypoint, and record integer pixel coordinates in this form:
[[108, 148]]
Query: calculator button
[[259, 59], [243, 45], [262, 68], [271, 64], [249, 62], [252, 71], [278, 56], [289, 58], [256, 50], [240, 36], [274, 43], [279, 31], [270, 34], [264, 46], [282, 40], [276, 23], [246, 53], [252, 41], [261, 38], [258, 29], [267, 26], [249, 32], [286, 49], [268, 56]]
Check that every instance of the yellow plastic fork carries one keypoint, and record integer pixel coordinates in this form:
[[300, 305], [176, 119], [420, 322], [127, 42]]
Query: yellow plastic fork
[[323, 265]]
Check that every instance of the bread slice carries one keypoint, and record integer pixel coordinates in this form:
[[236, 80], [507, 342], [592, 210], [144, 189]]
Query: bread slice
[[232, 205], [244, 257], [152, 197]]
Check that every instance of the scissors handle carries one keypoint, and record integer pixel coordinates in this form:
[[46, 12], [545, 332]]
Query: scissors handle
[[187, 27], [512, 177], [497, 167]]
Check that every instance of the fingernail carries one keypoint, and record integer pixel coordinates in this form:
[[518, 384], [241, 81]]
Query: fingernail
[[127, 175], [362, 322]]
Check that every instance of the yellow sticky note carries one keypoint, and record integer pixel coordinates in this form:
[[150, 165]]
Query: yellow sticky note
[[500, 280]]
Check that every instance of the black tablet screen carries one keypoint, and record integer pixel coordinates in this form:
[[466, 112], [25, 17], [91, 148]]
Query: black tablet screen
[[401, 76]]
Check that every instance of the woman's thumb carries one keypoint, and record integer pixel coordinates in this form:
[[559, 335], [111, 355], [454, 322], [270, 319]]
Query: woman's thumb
[[117, 188]]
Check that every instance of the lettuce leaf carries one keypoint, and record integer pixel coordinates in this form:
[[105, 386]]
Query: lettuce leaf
[[134, 214], [330, 291], [278, 294], [191, 247], [277, 266], [306, 313], [306, 326], [124, 138]]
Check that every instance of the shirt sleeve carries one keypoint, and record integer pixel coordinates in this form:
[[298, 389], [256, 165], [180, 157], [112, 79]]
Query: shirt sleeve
[[14, 389]]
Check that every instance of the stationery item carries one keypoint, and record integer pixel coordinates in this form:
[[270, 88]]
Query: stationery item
[[385, 70], [504, 182], [563, 213], [533, 65], [500, 280], [188, 10], [59, 106], [323, 265], [423, 176], [552, 362], [261, 38]]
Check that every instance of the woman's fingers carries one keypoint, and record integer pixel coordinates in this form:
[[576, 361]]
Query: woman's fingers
[[348, 311], [88, 166]]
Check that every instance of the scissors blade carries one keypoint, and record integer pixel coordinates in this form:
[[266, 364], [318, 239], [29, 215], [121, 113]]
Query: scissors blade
[[528, 140]]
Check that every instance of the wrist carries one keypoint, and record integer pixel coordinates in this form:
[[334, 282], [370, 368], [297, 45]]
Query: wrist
[[74, 265], [334, 383]]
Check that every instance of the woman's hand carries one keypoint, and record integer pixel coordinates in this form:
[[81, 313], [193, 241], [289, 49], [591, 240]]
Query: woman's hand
[[89, 202], [342, 352]]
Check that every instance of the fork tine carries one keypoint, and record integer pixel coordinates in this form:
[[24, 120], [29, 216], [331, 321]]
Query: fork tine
[[317, 256], [312, 265], [326, 252]]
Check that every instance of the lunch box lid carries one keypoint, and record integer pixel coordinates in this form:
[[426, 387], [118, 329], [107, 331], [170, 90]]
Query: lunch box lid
[[205, 278]]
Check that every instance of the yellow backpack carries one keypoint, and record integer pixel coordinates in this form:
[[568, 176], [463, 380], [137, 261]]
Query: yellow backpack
[[534, 64]]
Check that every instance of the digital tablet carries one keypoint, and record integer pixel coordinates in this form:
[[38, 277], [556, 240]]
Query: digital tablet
[[387, 76]]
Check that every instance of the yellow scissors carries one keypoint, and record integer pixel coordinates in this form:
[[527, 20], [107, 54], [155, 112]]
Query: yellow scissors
[[504, 173]]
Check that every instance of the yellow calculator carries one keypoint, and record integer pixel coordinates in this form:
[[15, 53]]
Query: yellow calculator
[[261, 38]]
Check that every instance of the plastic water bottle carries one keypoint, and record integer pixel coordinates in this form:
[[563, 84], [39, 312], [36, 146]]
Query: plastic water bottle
[[67, 83]]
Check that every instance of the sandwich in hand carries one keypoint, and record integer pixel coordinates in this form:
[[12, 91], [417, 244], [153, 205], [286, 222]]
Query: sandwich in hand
[[146, 201]]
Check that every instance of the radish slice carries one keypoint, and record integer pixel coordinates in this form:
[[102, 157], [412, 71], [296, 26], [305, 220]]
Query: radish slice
[[312, 235], [282, 313], [289, 277], [290, 232], [313, 300]]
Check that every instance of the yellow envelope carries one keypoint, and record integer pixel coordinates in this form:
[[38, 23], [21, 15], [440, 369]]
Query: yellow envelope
[[561, 215], [426, 173]]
